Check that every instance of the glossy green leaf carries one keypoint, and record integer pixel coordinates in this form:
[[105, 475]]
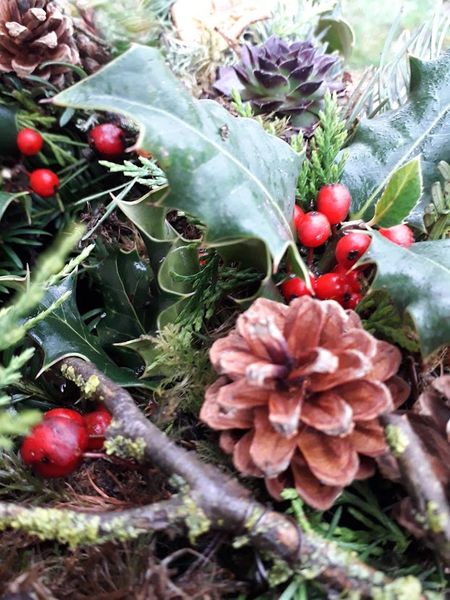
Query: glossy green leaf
[[400, 196], [227, 172], [418, 281], [384, 143], [124, 280], [63, 333], [8, 130]]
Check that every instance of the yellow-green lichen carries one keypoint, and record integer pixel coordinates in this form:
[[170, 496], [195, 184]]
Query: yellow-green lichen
[[397, 440], [89, 387], [126, 448], [435, 519], [65, 526], [195, 518], [403, 588], [120, 530]]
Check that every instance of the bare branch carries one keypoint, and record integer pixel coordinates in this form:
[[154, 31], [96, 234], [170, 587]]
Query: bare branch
[[425, 489]]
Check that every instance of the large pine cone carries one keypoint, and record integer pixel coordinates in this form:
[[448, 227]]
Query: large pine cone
[[301, 389], [33, 32]]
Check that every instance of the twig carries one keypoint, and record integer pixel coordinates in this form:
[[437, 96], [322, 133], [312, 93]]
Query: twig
[[224, 502], [425, 489]]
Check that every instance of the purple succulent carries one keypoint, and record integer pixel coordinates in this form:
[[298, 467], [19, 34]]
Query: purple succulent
[[284, 79]]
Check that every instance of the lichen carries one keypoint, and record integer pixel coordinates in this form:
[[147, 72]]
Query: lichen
[[126, 448], [397, 440], [403, 588], [118, 529], [195, 518], [65, 526], [89, 387], [435, 519]]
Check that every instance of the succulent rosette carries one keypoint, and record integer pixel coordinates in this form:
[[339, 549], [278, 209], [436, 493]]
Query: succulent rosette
[[299, 396], [289, 80]]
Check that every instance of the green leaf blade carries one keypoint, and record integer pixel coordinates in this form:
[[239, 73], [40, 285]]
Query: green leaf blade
[[384, 143], [418, 281], [62, 334], [227, 172], [401, 195]]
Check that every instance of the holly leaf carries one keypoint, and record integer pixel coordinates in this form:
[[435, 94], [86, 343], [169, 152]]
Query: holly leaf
[[8, 130], [63, 333], [385, 142], [418, 281], [225, 171], [124, 280], [400, 196]]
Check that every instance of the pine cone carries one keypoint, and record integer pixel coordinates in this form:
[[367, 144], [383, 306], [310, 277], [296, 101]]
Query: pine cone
[[94, 51], [299, 396], [33, 32]]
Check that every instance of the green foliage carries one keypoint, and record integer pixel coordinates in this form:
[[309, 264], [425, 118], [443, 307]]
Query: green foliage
[[63, 333], [382, 144], [123, 279], [215, 164], [180, 359], [210, 285], [146, 173], [382, 319], [322, 167], [400, 196], [15, 323], [437, 213], [417, 279]]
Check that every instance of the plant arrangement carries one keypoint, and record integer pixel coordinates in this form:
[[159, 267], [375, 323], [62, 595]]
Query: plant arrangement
[[225, 289]]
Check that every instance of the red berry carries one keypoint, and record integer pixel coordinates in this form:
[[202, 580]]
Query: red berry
[[66, 413], [352, 301], [294, 288], [44, 182], [351, 247], [97, 423], [29, 141], [54, 447], [108, 140], [331, 286], [298, 216], [313, 230], [399, 234], [334, 202], [353, 279]]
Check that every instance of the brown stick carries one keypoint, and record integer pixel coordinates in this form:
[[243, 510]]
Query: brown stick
[[224, 502], [426, 491]]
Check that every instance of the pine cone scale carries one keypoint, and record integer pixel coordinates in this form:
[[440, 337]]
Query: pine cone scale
[[300, 394]]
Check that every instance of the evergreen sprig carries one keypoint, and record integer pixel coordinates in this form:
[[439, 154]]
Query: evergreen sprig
[[322, 167], [147, 173], [210, 285]]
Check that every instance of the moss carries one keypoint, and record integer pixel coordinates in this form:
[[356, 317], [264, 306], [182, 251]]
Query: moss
[[403, 588], [126, 448], [436, 521], [397, 440]]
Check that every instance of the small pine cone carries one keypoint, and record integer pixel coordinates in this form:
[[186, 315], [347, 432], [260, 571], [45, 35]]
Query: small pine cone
[[94, 51], [299, 396], [33, 32]]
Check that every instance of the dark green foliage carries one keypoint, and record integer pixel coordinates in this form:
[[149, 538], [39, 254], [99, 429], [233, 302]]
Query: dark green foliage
[[321, 166]]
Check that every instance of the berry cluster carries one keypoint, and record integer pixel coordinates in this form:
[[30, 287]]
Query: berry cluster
[[107, 140], [55, 446], [315, 228]]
